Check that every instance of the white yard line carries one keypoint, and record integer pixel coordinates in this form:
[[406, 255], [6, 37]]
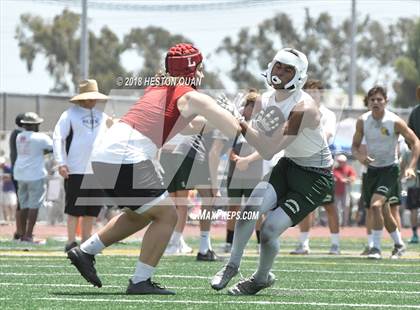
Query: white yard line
[[207, 288], [242, 269]]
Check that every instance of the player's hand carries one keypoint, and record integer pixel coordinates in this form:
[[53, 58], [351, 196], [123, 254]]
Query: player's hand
[[242, 164], [409, 173], [229, 106], [366, 160], [64, 171], [269, 120]]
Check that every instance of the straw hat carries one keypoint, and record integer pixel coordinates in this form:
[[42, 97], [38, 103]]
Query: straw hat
[[88, 90]]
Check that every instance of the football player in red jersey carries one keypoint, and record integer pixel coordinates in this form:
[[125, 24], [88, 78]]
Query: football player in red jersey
[[123, 164]]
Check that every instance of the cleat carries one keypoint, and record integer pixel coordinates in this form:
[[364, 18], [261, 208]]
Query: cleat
[[69, 246], [222, 278], [301, 250], [85, 263], [374, 253], [210, 256], [250, 286], [147, 287], [365, 251], [398, 251], [414, 239], [334, 250]]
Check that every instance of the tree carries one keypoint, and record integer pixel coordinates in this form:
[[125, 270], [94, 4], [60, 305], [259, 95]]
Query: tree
[[60, 43], [326, 44], [408, 67], [151, 44]]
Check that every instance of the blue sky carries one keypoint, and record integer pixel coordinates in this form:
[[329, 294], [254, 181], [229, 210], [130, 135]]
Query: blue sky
[[206, 27]]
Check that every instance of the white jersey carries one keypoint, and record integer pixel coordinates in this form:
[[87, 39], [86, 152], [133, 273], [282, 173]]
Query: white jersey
[[30, 147], [381, 138], [310, 148], [74, 136]]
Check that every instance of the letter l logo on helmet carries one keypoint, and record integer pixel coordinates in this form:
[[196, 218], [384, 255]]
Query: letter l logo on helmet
[[191, 63]]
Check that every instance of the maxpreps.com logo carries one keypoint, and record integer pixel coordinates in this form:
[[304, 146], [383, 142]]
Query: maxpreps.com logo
[[90, 122]]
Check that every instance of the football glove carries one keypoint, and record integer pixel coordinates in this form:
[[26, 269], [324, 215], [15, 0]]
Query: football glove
[[269, 120], [229, 106]]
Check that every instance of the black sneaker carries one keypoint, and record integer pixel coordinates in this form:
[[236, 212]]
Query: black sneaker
[[398, 251], [374, 253], [16, 237], [147, 287], [210, 256], [85, 263], [69, 246]]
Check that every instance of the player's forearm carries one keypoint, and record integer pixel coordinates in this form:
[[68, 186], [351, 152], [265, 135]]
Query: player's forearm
[[265, 147], [415, 153]]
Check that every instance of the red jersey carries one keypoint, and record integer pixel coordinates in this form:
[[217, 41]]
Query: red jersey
[[156, 114], [341, 173]]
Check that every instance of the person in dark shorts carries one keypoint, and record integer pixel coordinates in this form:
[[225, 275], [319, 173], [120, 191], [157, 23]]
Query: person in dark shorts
[[381, 129], [74, 136]]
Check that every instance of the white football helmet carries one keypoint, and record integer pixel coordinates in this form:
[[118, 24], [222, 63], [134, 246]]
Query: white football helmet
[[291, 57]]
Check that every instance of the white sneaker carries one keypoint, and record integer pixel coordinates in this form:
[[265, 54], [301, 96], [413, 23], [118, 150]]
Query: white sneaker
[[172, 249], [184, 248], [301, 250]]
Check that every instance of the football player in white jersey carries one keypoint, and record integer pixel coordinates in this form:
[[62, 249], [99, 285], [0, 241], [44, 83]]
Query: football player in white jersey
[[381, 129], [289, 121]]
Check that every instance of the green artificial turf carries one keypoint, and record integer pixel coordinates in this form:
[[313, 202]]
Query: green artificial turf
[[46, 280]]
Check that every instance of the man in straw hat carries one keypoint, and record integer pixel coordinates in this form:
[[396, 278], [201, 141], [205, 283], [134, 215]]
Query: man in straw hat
[[74, 137], [29, 171], [123, 164]]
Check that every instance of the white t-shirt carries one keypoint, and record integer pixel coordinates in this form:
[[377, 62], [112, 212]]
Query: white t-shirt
[[84, 126], [30, 148]]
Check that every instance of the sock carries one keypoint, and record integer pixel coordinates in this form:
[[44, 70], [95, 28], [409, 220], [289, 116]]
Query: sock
[[142, 272], [277, 221], [377, 236], [205, 243], [93, 245], [176, 237], [229, 236], [335, 239], [370, 240], [414, 228], [244, 228], [396, 236], [257, 233], [304, 239]]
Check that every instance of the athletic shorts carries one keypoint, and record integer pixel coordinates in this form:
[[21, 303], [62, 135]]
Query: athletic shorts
[[31, 194], [330, 197], [184, 173], [382, 181], [72, 187], [131, 186], [300, 190], [413, 198]]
